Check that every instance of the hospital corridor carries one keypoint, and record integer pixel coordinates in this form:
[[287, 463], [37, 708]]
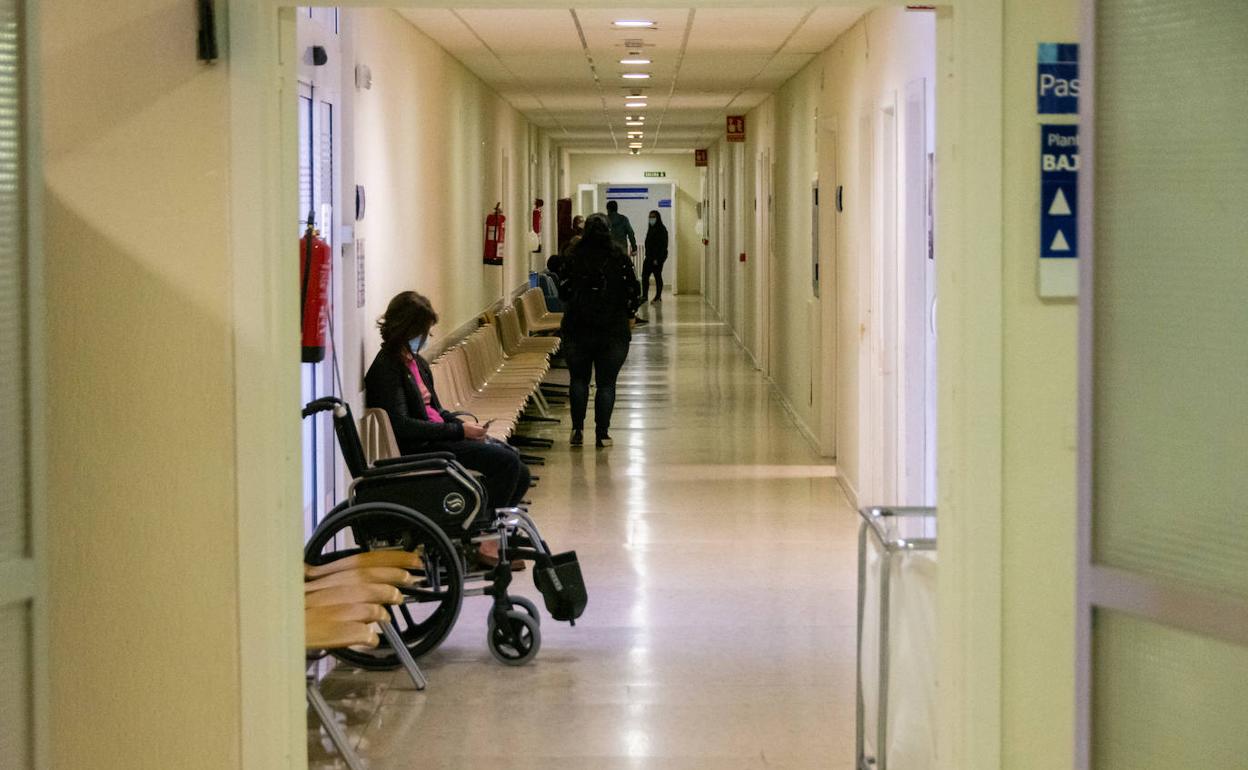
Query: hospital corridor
[[720, 630], [678, 385]]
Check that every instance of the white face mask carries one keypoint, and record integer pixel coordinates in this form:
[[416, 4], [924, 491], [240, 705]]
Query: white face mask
[[653, 220], [415, 344]]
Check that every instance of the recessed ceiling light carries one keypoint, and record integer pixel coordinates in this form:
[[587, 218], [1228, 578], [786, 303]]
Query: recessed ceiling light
[[637, 96], [634, 23], [634, 104], [635, 134], [635, 76], [634, 61], [633, 123], [636, 145], [635, 117]]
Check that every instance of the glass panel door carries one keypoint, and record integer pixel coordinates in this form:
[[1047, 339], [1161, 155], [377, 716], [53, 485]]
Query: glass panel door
[[1164, 401], [20, 546]]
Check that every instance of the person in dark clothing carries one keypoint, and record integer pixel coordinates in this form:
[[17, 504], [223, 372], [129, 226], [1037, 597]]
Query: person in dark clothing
[[600, 293], [556, 260], [656, 255], [621, 229], [400, 382]]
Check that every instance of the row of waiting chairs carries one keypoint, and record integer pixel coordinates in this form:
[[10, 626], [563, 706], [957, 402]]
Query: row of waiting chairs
[[344, 601], [497, 371]]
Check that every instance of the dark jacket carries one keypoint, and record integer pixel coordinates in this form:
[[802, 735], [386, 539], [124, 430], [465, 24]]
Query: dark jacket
[[599, 289], [622, 231], [389, 385], [656, 242]]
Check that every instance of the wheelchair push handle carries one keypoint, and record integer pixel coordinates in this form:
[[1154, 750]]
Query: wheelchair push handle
[[326, 404]]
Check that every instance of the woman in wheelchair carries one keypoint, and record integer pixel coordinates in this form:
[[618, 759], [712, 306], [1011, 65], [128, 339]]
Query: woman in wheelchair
[[400, 382]]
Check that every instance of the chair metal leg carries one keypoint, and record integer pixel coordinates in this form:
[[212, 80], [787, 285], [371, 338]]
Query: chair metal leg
[[405, 656], [336, 735]]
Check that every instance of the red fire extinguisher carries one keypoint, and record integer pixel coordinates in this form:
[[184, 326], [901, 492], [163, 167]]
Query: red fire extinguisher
[[495, 227], [537, 215], [314, 267]]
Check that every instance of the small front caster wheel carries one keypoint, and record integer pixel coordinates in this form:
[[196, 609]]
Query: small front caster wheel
[[527, 606], [516, 641]]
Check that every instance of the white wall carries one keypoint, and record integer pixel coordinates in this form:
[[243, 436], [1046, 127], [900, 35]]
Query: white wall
[[430, 142], [155, 658], [811, 341], [596, 168], [1039, 397]]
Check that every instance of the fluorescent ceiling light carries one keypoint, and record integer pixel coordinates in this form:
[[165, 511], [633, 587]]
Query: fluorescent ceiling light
[[635, 76], [633, 123], [634, 61], [633, 23], [637, 96], [634, 104], [635, 145]]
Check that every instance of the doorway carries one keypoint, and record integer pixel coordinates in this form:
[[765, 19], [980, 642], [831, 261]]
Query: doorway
[[261, 134], [636, 201]]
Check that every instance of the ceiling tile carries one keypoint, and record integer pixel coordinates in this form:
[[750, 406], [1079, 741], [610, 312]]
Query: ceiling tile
[[823, 28]]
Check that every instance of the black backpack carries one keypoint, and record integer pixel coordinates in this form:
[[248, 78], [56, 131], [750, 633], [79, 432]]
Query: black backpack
[[596, 296]]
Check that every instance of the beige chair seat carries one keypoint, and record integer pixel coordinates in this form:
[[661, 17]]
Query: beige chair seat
[[374, 593], [344, 613], [400, 559], [325, 635], [535, 316], [394, 576]]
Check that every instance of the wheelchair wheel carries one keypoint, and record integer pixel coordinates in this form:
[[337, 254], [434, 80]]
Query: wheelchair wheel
[[517, 641], [432, 605], [526, 606]]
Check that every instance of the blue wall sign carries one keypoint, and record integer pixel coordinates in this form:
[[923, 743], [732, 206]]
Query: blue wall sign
[[665, 203], [628, 193], [1057, 79], [1059, 191]]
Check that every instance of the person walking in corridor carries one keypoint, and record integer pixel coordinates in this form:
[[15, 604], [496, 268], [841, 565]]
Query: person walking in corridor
[[600, 293], [621, 229], [656, 255]]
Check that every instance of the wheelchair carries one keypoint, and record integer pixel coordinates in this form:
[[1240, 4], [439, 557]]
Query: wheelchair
[[430, 504]]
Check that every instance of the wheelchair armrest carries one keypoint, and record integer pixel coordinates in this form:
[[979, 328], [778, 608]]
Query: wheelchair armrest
[[394, 469], [413, 458]]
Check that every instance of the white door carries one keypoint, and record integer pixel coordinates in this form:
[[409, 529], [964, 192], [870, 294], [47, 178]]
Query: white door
[[886, 300], [22, 587], [1163, 546], [764, 273], [586, 199], [319, 118], [916, 455]]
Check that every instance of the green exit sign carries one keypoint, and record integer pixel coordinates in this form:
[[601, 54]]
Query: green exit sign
[[656, 173]]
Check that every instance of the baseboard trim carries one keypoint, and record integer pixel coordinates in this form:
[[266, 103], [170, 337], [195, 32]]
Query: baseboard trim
[[797, 420], [848, 488]]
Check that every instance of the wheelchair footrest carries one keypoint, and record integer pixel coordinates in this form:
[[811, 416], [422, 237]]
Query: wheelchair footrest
[[562, 586]]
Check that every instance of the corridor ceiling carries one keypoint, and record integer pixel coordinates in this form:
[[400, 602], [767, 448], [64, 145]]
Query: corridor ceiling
[[562, 69]]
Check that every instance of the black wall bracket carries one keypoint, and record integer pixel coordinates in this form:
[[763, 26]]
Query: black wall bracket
[[207, 39]]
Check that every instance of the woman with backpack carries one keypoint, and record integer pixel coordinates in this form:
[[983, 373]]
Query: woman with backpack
[[600, 293], [656, 255]]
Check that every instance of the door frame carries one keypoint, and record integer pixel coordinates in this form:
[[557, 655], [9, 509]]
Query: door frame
[[970, 110]]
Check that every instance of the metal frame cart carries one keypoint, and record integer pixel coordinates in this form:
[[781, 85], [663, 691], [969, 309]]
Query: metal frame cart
[[896, 531]]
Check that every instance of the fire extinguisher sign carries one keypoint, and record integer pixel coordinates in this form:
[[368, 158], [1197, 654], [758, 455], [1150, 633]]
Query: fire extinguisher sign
[[495, 229]]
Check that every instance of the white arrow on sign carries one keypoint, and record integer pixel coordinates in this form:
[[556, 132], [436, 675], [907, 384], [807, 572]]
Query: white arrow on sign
[[1059, 243], [1060, 207]]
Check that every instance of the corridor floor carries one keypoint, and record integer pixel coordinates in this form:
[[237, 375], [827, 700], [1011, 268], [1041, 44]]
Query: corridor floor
[[719, 553]]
